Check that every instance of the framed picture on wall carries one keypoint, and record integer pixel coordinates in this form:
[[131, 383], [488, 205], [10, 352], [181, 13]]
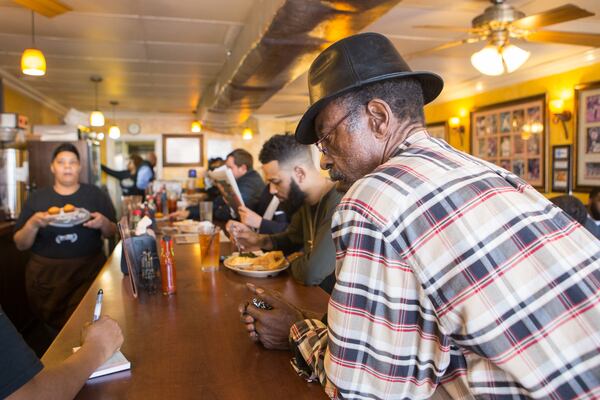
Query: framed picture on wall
[[587, 139], [182, 150], [561, 168], [438, 130], [513, 135]]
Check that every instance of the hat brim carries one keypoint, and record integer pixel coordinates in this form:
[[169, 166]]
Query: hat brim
[[431, 84]]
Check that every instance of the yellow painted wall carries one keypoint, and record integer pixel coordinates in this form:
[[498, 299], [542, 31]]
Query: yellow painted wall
[[555, 86], [38, 114]]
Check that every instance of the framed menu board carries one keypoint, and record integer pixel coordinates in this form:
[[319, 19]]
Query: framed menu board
[[587, 139], [182, 150], [512, 135]]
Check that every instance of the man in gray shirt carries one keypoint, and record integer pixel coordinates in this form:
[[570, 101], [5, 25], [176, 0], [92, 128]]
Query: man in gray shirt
[[294, 178]]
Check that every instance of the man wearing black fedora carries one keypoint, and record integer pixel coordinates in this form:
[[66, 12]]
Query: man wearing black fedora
[[454, 276]]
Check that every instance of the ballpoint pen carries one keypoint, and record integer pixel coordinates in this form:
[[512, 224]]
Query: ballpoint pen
[[98, 308]]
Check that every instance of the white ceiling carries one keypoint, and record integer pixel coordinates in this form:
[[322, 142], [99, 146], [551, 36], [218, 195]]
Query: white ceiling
[[157, 55]]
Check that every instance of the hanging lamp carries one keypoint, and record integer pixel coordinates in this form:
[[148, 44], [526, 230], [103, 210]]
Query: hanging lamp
[[247, 134], [33, 61], [96, 117], [114, 132], [196, 126]]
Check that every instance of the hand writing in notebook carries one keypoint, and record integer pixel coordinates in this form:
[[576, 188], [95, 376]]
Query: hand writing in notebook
[[104, 334]]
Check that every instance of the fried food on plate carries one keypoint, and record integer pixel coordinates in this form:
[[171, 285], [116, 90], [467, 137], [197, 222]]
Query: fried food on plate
[[69, 208], [53, 210], [269, 261]]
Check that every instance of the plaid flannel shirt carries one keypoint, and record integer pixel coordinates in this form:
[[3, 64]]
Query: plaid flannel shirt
[[456, 277]]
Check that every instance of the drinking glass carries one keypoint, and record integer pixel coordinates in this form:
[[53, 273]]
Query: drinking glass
[[172, 201], [210, 247], [206, 210]]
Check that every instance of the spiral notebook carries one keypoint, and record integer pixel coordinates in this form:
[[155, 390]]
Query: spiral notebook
[[116, 363]]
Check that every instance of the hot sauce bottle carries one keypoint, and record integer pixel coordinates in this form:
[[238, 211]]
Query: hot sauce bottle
[[167, 265]]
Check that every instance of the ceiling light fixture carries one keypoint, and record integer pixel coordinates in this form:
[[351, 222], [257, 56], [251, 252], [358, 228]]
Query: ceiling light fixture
[[496, 59], [196, 127], [96, 117], [33, 61], [114, 132], [247, 134]]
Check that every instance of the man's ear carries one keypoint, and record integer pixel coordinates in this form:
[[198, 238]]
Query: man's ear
[[243, 168], [299, 174], [380, 115]]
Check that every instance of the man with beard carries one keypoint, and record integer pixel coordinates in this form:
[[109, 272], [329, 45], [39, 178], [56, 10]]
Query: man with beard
[[454, 276], [294, 178]]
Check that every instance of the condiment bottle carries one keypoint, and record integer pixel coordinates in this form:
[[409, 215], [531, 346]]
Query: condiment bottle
[[167, 265]]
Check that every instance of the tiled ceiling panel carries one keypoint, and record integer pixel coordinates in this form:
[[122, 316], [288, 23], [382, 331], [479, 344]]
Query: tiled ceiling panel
[[159, 55]]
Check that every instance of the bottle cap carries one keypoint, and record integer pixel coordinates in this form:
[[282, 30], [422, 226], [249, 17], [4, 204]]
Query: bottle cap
[[192, 173]]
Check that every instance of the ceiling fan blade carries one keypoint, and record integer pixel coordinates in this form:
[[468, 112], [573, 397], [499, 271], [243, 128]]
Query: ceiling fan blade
[[443, 47], [578, 39], [565, 13], [446, 28]]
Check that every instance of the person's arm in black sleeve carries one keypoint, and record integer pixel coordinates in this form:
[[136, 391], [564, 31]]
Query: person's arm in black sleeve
[[221, 210], [120, 175], [18, 363]]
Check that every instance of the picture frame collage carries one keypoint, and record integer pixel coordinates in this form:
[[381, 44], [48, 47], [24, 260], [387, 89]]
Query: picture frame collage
[[561, 168], [512, 135], [587, 139]]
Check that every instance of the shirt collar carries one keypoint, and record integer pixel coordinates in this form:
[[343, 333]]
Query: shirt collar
[[415, 137]]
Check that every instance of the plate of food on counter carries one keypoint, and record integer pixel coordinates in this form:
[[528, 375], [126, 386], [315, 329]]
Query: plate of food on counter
[[67, 216], [257, 264]]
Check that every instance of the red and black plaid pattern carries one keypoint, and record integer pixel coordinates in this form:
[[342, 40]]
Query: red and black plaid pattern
[[455, 276]]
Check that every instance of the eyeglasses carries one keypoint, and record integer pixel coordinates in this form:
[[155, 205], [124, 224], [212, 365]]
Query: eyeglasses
[[320, 145]]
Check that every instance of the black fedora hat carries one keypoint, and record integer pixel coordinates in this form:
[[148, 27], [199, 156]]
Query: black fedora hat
[[354, 62]]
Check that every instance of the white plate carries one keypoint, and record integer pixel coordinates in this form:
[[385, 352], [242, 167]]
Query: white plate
[[252, 273], [68, 220]]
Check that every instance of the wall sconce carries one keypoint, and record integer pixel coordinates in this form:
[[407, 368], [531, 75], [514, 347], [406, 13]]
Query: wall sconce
[[559, 114], [456, 127]]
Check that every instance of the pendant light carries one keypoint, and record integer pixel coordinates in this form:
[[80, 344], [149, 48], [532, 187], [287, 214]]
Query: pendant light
[[114, 132], [247, 134], [33, 61], [196, 127], [96, 117]]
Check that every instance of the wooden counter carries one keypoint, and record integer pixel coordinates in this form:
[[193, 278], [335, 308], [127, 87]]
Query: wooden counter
[[191, 345]]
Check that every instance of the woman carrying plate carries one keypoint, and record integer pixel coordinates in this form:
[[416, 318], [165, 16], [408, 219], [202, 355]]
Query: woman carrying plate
[[64, 258]]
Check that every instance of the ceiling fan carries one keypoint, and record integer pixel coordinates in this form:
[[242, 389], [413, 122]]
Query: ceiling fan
[[501, 22]]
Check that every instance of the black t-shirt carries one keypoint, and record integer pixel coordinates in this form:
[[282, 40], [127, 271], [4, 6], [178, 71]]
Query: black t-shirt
[[77, 241], [18, 363]]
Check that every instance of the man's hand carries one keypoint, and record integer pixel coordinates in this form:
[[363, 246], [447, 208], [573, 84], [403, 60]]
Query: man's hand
[[98, 221], [270, 327], [39, 220], [243, 236], [104, 334], [249, 217], [179, 214]]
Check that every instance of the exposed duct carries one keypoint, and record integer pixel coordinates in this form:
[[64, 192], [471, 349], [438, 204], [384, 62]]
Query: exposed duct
[[277, 44]]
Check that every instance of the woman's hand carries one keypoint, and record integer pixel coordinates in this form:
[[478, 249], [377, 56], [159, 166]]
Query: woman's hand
[[99, 221], [40, 219]]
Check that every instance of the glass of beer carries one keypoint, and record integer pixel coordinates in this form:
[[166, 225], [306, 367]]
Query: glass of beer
[[172, 201], [210, 247]]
